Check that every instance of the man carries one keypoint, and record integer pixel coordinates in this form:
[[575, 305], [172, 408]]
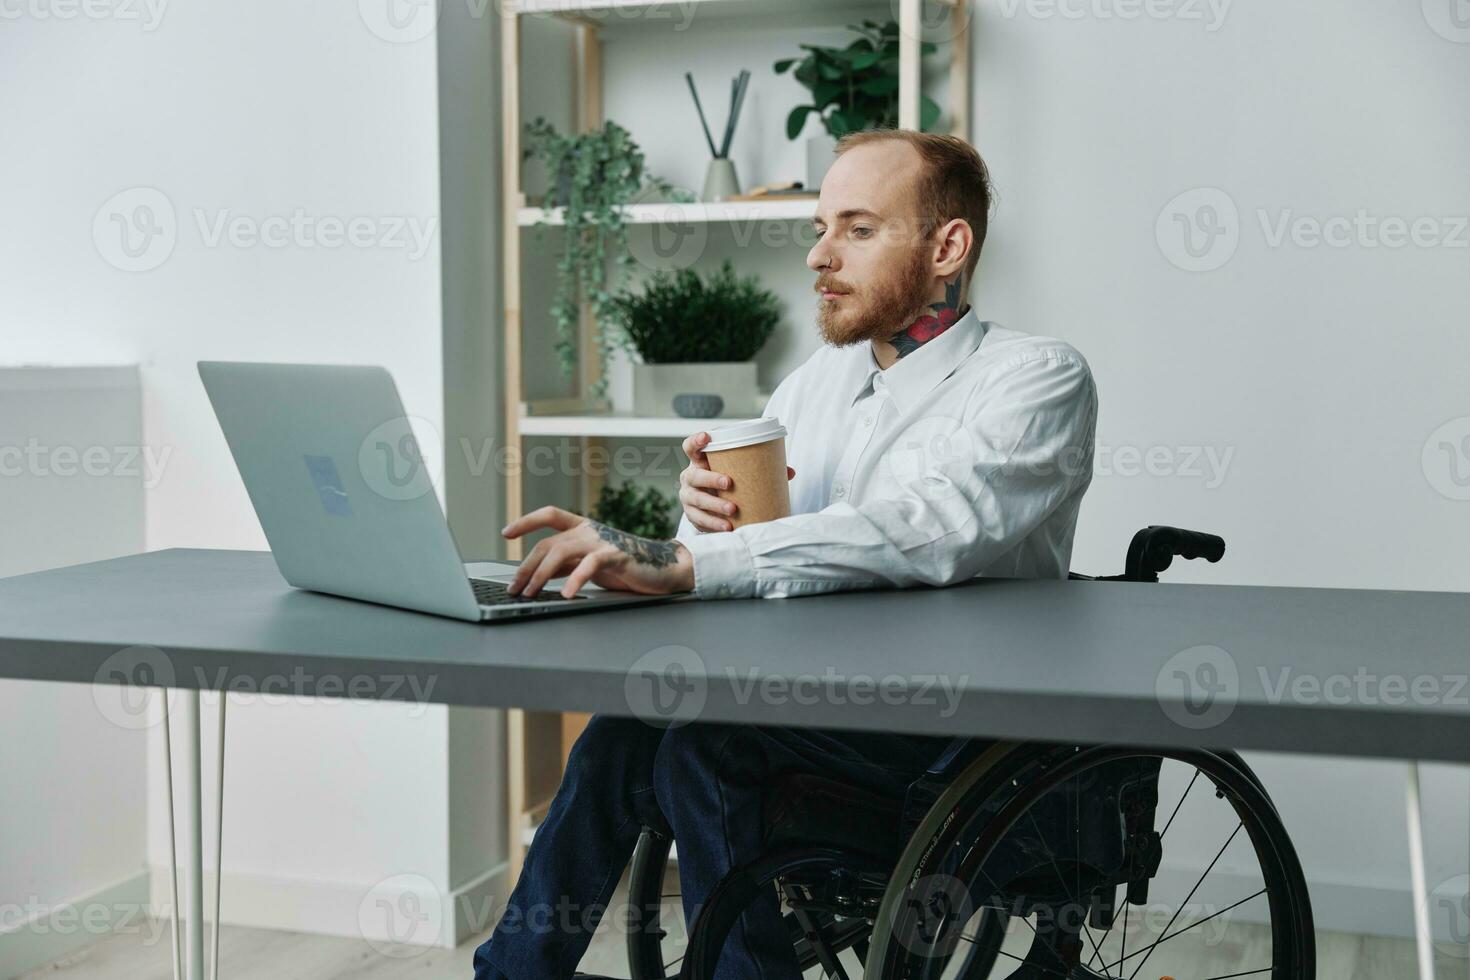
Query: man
[[926, 447]]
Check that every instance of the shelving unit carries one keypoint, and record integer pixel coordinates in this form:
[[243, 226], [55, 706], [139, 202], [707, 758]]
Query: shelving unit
[[797, 209], [537, 743], [613, 425]]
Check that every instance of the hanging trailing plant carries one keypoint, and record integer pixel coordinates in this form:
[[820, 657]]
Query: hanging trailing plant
[[592, 176]]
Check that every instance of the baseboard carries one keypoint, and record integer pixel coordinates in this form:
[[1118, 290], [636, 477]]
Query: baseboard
[[1337, 906], [404, 908], [32, 937]]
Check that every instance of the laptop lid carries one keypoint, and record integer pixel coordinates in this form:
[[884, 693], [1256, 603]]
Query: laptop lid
[[334, 472]]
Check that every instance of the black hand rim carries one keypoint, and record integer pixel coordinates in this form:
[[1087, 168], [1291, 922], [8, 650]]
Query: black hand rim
[[1024, 776]]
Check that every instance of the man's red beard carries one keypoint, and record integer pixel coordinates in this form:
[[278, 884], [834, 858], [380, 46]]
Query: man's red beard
[[874, 311]]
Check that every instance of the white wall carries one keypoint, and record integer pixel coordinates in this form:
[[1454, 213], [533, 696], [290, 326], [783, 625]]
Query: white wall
[[73, 764], [1322, 370], [316, 142], [1315, 376]]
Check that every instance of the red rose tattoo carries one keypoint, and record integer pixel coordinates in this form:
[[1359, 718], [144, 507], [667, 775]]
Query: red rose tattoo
[[930, 325]]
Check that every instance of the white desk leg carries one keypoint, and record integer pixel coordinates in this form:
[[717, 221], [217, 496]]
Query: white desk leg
[[173, 840], [1422, 934], [194, 835], [219, 839]]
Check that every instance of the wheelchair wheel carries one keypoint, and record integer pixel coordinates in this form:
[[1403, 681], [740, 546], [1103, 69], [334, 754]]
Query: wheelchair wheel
[[658, 936], [1215, 887]]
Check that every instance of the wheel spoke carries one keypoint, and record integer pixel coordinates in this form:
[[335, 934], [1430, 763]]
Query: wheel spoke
[[1182, 797], [1169, 823], [1050, 856], [994, 890], [1247, 973], [1044, 969], [1148, 950], [1194, 925], [1125, 925]]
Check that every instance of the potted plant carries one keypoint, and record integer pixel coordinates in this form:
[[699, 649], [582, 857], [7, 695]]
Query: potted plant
[[647, 513], [852, 89], [592, 176], [696, 336]]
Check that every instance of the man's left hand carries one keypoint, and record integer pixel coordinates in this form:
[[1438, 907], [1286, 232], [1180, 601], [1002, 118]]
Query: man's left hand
[[587, 551]]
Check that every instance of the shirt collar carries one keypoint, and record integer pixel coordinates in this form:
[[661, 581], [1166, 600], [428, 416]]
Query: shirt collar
[[911, 378]]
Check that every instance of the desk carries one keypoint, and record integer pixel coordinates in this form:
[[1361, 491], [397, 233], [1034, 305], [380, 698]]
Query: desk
[[1058, 660]]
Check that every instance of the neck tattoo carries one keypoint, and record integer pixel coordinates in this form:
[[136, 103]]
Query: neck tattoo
[[647, 551], [941, 317]]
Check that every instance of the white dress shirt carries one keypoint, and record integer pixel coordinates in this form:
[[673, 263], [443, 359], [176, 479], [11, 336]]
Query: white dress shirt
[[967, 457]]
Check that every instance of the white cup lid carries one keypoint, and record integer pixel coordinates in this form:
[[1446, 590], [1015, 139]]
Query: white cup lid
[[746, 433]]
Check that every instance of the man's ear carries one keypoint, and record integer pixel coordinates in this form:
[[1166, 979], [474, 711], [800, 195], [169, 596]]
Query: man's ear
[[953, 246]]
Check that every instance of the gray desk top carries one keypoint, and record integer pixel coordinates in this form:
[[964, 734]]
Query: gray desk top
[[1335, 671]]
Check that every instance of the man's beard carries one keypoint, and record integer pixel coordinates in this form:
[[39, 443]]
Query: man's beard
[[875, 312]]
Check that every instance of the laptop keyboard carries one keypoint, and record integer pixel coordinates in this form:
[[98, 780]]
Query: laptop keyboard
[[489, 593]]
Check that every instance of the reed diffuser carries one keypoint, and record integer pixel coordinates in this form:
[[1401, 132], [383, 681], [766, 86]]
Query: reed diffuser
[[720, 181]]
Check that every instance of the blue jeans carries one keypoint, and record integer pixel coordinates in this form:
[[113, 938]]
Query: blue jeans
[[704, 784]]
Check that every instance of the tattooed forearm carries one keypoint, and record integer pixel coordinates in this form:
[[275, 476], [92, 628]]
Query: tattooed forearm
[[941, 317], [659, 554]]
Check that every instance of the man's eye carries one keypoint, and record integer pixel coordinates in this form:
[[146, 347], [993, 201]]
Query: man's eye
[[862, 232]]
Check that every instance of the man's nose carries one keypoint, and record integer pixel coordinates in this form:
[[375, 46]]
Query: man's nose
[[822, 257]]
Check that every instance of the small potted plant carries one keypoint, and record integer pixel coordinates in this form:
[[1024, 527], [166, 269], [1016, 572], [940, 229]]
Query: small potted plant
[[592, 176], [647, 512], [696, 337], [852, 89]]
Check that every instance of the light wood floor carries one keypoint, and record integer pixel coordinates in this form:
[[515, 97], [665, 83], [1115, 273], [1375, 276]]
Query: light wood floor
[[258, 954]]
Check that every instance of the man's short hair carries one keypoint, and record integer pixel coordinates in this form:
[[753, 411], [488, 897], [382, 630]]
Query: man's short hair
[[953, 184]]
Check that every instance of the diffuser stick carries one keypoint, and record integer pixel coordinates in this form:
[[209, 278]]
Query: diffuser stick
[[707, 138], [737, 99]]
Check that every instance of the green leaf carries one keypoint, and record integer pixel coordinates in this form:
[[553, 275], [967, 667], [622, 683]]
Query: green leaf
[[831, 68], [797, 120], [829, 93], [882, 85], [928, 113], [867, 59], [806, 72], [839, 123], [784, 64]]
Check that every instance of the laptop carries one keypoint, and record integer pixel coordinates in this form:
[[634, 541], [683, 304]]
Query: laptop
[[334, 471]]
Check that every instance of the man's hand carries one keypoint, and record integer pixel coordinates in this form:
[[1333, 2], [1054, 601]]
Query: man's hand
[[698, 485], [586, 550]]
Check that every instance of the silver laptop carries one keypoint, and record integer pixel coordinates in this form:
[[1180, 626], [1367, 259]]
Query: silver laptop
[[336, 476]]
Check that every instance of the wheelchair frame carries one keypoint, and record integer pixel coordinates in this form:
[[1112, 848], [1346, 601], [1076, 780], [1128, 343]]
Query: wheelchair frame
[[841, 899]]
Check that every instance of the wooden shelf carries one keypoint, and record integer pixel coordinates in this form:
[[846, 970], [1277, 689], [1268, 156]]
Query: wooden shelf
[[673, 212], [742, 8], [536, 741], [614, 426]]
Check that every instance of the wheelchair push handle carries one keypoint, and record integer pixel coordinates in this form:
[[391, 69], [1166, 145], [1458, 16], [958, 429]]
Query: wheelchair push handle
[[1154, 548]]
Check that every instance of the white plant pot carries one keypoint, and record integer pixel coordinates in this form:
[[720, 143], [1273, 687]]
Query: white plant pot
[[820, 152], [655, 385]]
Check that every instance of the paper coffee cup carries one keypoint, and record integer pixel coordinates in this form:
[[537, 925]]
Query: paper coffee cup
[[753, 455]]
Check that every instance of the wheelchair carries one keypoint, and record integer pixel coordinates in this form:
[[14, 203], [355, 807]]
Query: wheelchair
[[1010, 860]]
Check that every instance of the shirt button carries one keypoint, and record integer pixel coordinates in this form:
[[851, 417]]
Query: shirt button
[[841, 490], [867, 420]]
